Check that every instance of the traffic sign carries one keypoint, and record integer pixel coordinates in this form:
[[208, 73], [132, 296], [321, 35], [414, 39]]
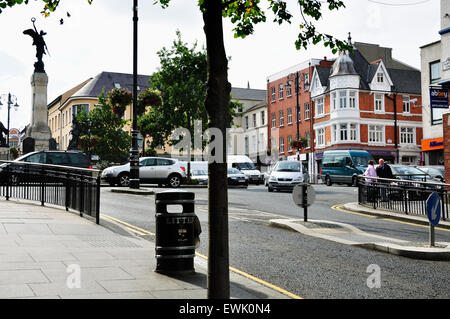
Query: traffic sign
[[298, 194], [434, 208]]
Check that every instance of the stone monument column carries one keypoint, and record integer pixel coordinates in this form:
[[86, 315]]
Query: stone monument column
[[39, 130]]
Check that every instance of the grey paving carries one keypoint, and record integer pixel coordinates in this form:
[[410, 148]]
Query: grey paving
[[48, 253]]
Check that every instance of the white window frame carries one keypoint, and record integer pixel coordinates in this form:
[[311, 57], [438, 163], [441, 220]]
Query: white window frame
[[353, 99], [281, 118], [263, 118], [281, 145], [377, 134], [407, 104], [274, 119], [320, 137], [353, 132], [380, 77], [289, 140], [289, 116], [343, 132], [343, 95], [320, 106], [307, 111], [280, 91], [289, 89], [408, 137], [272, 92], [254, 120], [334, 101], [378, 100]]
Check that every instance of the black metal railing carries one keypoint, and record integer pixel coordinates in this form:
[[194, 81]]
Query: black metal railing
[[406, 196], [70, 187]]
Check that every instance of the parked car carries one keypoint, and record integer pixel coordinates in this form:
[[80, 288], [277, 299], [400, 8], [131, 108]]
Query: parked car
[[64, 158], [235, 177], [246, 166], [200, 175], [285, 175], [344, 166], [435, 171], [414, 176], [156, 170], [20, 172]]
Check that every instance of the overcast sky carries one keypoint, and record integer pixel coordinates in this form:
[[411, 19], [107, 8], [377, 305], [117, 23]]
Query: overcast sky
[[99, 38]]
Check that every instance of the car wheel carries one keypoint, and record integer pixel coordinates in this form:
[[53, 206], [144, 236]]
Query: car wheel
[[270, 189], [124, 179], [174, 181], [328, 181]]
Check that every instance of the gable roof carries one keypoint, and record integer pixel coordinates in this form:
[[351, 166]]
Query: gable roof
[[405, 81]]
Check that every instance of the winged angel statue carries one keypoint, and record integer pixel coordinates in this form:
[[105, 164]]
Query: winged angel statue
[[41, 47]]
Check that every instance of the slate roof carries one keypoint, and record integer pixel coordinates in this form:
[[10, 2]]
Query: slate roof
[[106, 81], [248, 94], [406, 81]]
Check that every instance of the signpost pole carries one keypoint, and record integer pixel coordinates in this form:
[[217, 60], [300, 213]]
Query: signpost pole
[[305, 203], [432, 242]]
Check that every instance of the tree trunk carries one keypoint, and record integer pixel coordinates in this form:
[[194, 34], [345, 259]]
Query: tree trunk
[[217, 101]]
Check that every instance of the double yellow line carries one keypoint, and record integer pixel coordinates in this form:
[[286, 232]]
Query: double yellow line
[[142, 232]]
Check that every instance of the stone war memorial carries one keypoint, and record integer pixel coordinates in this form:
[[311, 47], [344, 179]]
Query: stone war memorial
[[38, 134]]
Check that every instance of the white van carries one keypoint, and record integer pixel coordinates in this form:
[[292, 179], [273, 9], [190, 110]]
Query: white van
[[246, 166]]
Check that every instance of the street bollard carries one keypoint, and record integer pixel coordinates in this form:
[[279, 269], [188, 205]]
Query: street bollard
[[176, 232]]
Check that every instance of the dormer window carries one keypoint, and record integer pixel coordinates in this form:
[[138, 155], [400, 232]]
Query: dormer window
[[380, 77]]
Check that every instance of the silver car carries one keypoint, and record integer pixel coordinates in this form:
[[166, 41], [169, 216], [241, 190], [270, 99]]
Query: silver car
[[285, 175], [158, 170]]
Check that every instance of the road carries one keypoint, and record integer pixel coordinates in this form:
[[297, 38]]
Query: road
[[305, 266]]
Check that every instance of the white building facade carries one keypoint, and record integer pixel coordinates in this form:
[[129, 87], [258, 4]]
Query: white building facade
[[435, 65]]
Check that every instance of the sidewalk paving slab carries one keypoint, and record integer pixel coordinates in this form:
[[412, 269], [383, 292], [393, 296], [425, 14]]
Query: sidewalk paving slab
[[42, 248]]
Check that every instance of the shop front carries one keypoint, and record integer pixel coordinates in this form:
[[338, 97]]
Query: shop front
[[433, 151]]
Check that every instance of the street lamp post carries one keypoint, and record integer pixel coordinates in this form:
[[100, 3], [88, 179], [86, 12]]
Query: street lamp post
[[10, 100], [134, 152], [394, 100]]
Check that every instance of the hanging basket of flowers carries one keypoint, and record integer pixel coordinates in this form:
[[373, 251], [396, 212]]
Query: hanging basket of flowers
[[119, 99], [148, 97], [300, 143]]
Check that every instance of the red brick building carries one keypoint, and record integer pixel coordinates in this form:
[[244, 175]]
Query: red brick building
[[348, 103]]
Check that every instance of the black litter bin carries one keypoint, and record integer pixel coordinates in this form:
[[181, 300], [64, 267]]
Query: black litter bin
[[176, 233]]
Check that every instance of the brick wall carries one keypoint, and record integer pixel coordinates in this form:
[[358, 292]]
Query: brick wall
[[446, 129]]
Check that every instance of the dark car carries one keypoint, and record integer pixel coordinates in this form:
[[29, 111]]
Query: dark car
[[64, 158], [236, 177], [18, 171], [415, 177]]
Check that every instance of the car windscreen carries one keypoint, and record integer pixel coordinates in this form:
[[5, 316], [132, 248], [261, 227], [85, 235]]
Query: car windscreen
[[233, 171], [199, 172], [433, 171], [288, 167], [244, 166], [407, 170], [361, 160]]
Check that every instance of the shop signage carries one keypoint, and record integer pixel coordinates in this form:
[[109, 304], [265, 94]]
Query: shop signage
[[433, 144], [439, 98], [446, 65]]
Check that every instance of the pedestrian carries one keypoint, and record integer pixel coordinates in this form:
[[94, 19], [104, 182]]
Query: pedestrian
[[371, 190], [384, 171], [371, 172]]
